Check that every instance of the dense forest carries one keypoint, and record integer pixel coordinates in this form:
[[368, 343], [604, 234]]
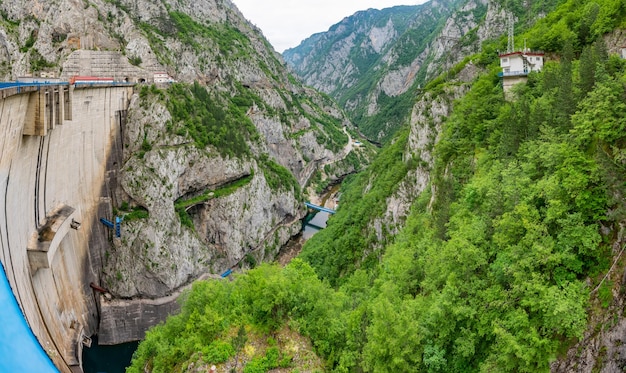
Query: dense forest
[[500, 262]]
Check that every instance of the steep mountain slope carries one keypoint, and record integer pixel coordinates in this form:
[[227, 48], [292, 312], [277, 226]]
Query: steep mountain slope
[[335, 60], [374, 63], [211, 168], [487, 236]]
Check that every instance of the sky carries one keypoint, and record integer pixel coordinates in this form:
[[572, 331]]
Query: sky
[[285, 23]]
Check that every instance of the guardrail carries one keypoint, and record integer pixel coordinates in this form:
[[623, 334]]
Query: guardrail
[[18, 85], [37, 85], [514, 73], [103, 84]]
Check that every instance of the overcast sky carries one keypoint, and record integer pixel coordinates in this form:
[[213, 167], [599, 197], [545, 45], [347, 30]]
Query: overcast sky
[[285, 23]]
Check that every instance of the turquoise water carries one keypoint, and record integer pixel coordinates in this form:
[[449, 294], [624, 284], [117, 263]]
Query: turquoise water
[[314, 224], [107, 359]]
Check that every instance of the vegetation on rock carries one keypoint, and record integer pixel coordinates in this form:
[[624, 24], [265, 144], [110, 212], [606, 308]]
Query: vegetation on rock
[[496, 265], [203, 117], [218, 318]]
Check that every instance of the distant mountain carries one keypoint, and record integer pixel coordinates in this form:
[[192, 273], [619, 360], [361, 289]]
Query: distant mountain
[[375, 61]]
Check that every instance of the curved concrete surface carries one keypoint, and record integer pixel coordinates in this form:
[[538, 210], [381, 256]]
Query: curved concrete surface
[[19, 349], [50, 185]]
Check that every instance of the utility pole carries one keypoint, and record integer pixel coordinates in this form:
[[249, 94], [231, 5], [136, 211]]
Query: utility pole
[[511, 44]]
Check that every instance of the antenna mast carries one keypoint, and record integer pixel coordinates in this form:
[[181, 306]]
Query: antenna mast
[[511, 44]]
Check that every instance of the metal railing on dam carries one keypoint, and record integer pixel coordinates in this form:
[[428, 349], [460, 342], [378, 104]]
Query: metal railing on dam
[[16, 84], [17, 87]]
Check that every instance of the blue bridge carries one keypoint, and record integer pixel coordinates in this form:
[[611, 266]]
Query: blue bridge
[[319, 208]]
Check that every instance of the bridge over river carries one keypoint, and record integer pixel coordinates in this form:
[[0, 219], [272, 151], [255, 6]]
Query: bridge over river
[[319, 208]]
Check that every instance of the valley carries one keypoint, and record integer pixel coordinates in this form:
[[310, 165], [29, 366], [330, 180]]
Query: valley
[[159, 165]]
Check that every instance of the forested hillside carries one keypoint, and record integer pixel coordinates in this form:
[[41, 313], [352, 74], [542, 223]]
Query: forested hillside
[[506, 261], [373, 61]]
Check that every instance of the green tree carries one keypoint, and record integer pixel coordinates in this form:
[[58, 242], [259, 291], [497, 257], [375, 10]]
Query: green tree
[[565, 102], [238, 342]]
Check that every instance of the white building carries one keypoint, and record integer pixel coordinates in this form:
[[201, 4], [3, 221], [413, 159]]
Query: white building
[[623, 54], [517, 65], [162, 77]]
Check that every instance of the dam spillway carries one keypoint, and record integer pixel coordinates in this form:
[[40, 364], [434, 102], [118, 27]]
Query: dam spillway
[[56, 150]]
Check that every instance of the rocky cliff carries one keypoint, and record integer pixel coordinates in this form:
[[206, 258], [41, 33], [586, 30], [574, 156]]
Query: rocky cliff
[[211, 173], [289, 131], [158, 253], [426, 121]]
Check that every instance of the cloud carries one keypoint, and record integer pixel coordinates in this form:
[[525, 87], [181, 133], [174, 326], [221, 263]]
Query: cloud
[[285, 23]]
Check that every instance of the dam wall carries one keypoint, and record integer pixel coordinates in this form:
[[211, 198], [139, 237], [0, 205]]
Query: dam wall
[[54, 189]]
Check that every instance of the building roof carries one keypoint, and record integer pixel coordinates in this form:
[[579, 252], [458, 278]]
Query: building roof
[[516, 53]]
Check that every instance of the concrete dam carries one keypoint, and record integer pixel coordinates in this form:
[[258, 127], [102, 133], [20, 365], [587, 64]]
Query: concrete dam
[[60, 147]]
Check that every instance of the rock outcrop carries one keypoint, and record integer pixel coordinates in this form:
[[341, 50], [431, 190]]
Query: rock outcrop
[[427, 118], [603, 345], [250, 200]]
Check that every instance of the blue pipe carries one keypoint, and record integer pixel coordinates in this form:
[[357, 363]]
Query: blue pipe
[[228, 272], [118, 229], [106, 222]]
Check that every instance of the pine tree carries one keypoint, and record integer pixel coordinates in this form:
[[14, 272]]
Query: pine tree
[[565, 103], [587, 70]]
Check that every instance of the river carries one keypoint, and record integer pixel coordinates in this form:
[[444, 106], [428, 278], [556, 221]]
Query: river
[[318, 220], [107, 359], [313, 223]]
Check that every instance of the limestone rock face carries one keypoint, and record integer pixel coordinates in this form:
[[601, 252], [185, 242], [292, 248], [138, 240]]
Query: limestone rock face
[[380, 37], [327, 61], [158, 254], [393, 60], [203, 41], [427, 118], [486, 18], [615, 41], [39, 35]]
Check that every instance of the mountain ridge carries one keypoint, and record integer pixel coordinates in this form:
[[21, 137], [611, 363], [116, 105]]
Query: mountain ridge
[[370, 86]]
